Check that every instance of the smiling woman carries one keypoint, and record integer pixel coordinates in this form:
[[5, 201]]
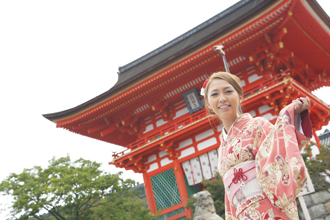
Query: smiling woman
[[223, 95], [259, 162]]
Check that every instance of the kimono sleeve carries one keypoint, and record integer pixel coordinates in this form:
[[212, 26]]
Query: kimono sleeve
[[304, 132], [279, 166]]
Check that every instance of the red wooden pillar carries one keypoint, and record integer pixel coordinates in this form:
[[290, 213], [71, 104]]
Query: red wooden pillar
[[179, 175], [149, 193]]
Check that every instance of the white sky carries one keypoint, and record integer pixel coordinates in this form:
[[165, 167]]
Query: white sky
[[55, 55]]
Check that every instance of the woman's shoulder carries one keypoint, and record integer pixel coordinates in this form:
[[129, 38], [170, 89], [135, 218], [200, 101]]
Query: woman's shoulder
[[259, 118], [248, 117], [263, 122], [249, 122]]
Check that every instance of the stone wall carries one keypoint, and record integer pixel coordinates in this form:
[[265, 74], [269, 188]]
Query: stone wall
[[318, 205]]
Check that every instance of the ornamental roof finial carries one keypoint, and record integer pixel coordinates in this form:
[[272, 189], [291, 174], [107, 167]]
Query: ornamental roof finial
[[219, 49]]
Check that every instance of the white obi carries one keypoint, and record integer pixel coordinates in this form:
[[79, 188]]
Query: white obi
[[241, 183]]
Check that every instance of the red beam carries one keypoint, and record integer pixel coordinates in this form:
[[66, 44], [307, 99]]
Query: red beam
[[108, 131], [96, 128]]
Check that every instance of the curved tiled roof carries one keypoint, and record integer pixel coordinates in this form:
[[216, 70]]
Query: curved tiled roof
[[179, 47]]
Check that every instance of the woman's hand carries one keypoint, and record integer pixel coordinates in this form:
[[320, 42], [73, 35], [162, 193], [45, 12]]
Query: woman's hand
[[301, 104]]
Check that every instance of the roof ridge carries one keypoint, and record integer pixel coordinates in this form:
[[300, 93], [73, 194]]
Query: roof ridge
[[183, 36]]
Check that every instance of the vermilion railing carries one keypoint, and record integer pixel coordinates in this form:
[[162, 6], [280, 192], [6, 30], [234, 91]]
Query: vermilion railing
[[264, 84], [186, 120]]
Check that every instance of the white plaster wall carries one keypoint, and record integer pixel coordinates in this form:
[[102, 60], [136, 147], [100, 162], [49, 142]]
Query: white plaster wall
[[185, 143], [204, 134], [187, 152], [153, 167], [207, 143], [151, 158], [252, 113], [264, 108], [160, 122], [165, 161], [253, 78], [149, 128], [162, 153]]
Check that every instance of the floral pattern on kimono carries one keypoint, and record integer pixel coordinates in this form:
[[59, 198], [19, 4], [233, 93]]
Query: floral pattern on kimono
[[280, 170]]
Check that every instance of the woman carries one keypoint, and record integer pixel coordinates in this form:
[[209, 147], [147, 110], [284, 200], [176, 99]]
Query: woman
[[259, 163]]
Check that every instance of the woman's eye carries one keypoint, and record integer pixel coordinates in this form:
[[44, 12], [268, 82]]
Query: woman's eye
[[213, 94], [229, 91]]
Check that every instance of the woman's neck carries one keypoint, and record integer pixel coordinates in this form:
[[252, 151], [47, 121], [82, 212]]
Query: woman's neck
[[227, 123]]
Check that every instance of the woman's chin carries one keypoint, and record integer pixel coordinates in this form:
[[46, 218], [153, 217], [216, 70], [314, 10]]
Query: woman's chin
[[227, 115]]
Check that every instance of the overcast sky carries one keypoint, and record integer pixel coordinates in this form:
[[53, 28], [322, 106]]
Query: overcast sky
[[55, 55]]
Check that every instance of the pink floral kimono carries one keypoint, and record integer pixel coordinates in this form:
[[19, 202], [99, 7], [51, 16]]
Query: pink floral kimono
[[261, 166]]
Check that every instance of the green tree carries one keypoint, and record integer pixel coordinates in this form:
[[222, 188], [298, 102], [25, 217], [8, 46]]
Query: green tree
[[318, 167], [72, 190], [130, 208], [216, 188]]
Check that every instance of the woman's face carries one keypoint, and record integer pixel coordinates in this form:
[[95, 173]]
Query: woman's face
[[223, 99]]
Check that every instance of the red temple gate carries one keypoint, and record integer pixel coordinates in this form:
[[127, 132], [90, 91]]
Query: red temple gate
[[279, 50]]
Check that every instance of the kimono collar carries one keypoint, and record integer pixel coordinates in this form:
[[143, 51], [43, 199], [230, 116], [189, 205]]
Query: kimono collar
[[224, 134], [224, 131]]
